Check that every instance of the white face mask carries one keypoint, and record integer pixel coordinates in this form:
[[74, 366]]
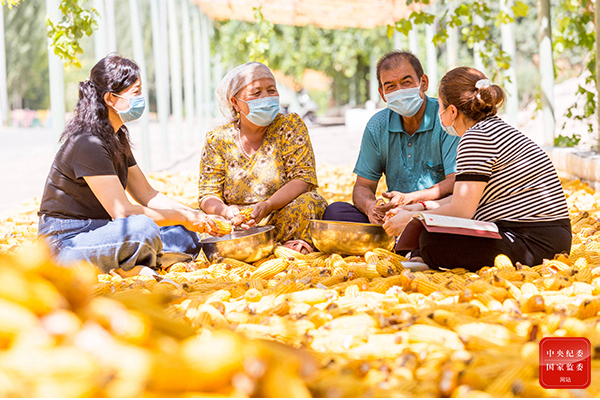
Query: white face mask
[[450, 130], [405, 102]]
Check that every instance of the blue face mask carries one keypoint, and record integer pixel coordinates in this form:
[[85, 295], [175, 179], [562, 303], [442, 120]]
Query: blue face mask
[[405, 102], [137, 104], [262, 111], [450, 130]]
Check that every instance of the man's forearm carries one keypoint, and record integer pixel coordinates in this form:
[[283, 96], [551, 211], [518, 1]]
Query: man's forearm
[[362, 197]]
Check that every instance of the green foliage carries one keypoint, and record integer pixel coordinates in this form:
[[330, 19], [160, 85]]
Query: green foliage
[[463, 16], [259, 39], [567, 141], [574, 37], [10, 3], [76, 21], [27, 56]]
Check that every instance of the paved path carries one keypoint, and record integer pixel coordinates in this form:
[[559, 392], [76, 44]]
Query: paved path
[[26, 155]]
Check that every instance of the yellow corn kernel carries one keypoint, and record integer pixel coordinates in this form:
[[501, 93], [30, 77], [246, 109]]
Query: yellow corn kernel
[[270, 268], [511, 306], [528, 290], [16, 319], [337, 264], [533, 304], [383, 253], [368, 271], [513, 291], [501, 386], [285, 252], [371, 257], [379, 286], [263, 260], [503, 262], [334, 280], [491, 303], [584, 274], [352, 291], [281, 309], [313, 256], [253, 295], [576, 327], [358, 322], [223, 227], [451, 319], [556, 265], [310, 296], [420, 333], [426, 287], [237, 264], [481, 286]]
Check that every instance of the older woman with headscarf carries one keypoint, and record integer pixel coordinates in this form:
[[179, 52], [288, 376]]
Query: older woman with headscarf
[[260, 159]]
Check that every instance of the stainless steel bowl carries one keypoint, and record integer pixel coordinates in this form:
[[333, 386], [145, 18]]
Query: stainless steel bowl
[[348, 238], [248, 245]]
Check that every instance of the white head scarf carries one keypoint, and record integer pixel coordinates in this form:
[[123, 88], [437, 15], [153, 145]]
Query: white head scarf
[[234, 81]]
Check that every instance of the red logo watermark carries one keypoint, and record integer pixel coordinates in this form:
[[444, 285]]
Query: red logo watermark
[[565, 363]]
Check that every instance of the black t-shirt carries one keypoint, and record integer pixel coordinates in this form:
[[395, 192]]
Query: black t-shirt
[[66, 194]]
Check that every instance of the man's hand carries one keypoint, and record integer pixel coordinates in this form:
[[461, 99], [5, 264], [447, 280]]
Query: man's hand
[[374, 214]]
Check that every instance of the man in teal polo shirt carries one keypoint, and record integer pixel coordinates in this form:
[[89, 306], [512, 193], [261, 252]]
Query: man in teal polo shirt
[[405, 142]]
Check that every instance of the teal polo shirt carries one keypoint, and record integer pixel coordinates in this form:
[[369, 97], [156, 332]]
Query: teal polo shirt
[[410, 163]]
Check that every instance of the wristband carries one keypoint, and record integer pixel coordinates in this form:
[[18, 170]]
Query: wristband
[[424, 205]]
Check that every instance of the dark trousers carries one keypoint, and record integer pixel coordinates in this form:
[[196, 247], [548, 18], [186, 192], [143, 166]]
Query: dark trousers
[[527, 243], [342, 211]]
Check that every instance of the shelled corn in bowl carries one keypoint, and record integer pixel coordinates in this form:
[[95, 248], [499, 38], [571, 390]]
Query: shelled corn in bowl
[[354, 326]]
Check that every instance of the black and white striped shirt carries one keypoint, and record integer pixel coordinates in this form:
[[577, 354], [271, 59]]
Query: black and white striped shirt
[[522, 184]]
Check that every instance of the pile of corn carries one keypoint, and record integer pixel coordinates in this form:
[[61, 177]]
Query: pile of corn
[[353, 326]]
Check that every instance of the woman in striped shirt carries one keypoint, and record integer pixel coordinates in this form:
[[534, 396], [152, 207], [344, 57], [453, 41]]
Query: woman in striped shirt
[[502, 177]]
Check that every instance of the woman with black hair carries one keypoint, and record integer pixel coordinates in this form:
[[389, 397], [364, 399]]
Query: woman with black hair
[[85, 214]]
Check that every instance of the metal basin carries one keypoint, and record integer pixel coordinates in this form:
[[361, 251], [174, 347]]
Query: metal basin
[[248, 245], [349, 238]]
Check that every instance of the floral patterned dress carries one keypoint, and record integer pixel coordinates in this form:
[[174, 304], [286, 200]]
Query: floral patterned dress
[[285, 154]]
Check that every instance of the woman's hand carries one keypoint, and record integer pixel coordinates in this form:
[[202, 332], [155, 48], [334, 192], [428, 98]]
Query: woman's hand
[[260, 211], [397, 221], [231, 212]]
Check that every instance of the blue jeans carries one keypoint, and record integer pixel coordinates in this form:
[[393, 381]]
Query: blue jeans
[[120, 243]]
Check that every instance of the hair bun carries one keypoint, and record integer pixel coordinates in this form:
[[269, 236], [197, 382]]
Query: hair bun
[[483, 83]]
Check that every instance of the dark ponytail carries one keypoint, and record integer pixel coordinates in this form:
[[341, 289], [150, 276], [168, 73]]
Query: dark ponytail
[[112, 74], [471, 93]]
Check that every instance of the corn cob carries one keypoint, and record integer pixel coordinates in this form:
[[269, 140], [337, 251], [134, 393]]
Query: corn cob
[[430, 334], [371, 257], [503, 262], [270, 268], [223, 227], [385, 267], [368, 271], [243, 217], [351, 291], [533, 304], [425, 286], [287, 253], [337, 264], [281, 309]]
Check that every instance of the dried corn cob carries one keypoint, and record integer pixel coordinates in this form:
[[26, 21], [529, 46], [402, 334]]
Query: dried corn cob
[[270, 268], [243, 217], [223, 227]]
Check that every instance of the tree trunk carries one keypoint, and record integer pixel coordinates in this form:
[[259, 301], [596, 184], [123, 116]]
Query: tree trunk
[[546, 70]]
